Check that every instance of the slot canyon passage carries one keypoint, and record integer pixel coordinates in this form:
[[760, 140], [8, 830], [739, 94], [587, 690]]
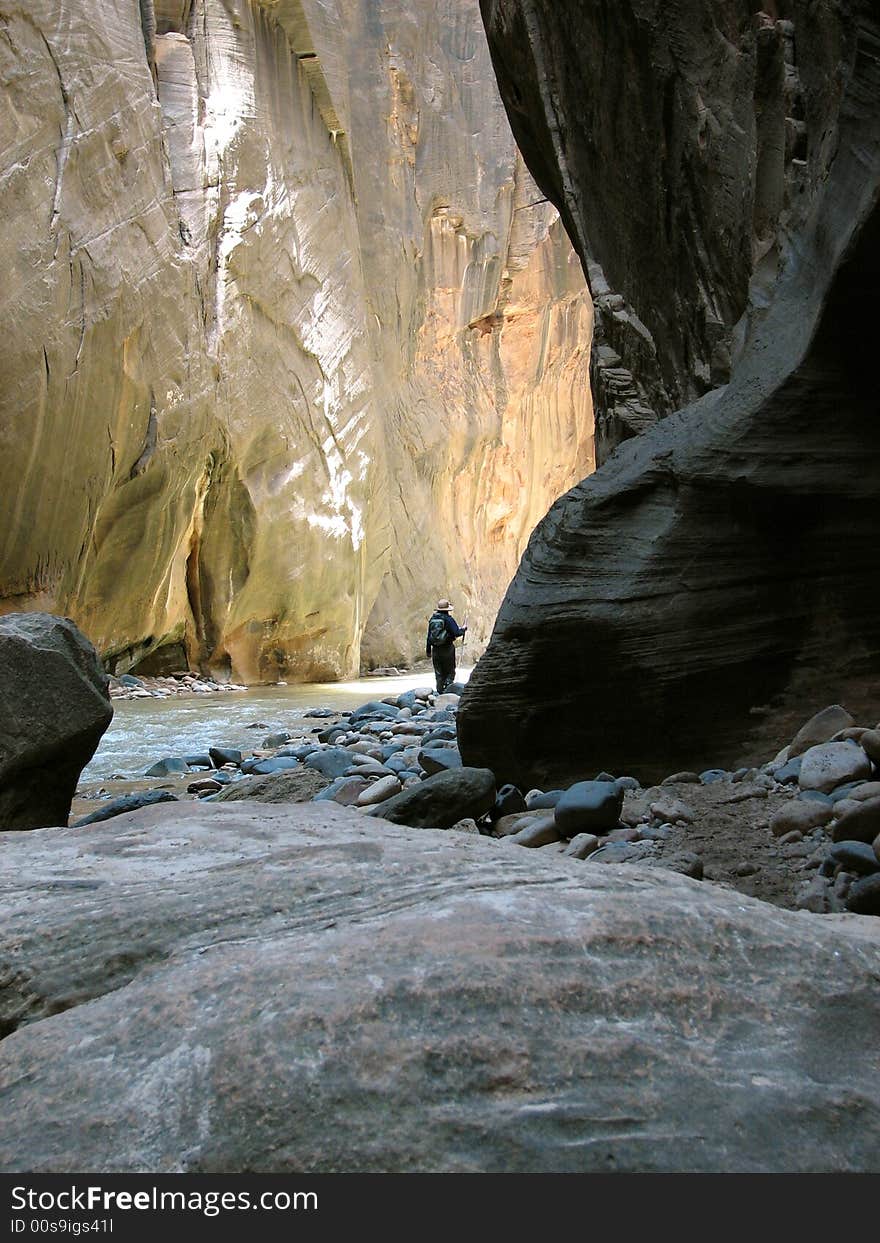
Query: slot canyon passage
[[318, 312]]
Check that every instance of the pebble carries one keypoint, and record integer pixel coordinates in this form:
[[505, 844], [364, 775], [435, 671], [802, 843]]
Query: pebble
[[671, 809], [379, 791], [541, 832], [582, 845]]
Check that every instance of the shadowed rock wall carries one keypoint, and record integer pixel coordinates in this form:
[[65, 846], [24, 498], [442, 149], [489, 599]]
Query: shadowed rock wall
[[234, 415], [725, 563]]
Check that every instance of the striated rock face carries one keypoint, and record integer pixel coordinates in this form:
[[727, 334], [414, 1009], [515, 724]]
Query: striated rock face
[[195, 989], [293, 343], [723, 167]]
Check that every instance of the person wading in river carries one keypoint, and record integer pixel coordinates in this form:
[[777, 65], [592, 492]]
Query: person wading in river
[[443, 630]]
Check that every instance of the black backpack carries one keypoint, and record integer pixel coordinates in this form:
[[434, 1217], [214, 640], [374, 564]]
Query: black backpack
[[438, 635]]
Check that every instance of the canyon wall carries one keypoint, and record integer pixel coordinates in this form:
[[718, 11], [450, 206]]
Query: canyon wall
[[718, 168], [292, 342]]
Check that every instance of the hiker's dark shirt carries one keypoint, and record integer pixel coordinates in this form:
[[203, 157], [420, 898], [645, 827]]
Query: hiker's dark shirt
[[452, 628]]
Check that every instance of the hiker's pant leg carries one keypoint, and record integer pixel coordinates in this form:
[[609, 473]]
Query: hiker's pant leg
[[444, 666]]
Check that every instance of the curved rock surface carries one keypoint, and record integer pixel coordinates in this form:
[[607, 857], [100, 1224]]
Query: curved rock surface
[[721, 563], [241, 989], [294, 344], [54, 708]]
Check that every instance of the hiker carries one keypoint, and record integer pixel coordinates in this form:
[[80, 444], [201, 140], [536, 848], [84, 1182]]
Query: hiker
[[443, 630]]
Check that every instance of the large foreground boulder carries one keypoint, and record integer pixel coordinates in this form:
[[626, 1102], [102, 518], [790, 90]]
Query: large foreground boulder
[[729, 219], [54, 707], [233, 988]]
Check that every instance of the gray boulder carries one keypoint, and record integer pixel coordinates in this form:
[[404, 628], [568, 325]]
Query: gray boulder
[[228, 1005], [589, 807], [439, 759], [833, 764], [334, 762], [439, 801], [54, 707]]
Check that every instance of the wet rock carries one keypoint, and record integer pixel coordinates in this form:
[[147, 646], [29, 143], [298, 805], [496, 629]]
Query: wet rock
[[200, 761], [374, 710], [588, 807], [225, 755], [332, 734], [833, 764], [440, 800], [277, 739], [820, 728], [126, 802], [273, 764], [54, 707], [167, 767]]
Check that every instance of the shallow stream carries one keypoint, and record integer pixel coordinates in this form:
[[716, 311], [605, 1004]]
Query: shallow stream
[[144, 730]]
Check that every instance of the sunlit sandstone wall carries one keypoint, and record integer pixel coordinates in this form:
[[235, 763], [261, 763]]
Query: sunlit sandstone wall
[[292, 343]]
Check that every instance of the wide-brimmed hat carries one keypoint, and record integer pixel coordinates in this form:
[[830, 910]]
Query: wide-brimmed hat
[[443, 606]]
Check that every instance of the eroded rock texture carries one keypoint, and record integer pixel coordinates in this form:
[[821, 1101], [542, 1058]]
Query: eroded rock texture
[[292, 342], [197, 989], [723, 168]]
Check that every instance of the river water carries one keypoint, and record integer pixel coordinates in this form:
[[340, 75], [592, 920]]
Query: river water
[[144, 730]]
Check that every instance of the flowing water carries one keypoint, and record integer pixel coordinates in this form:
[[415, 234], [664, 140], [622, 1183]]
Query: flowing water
[[144, 730]]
